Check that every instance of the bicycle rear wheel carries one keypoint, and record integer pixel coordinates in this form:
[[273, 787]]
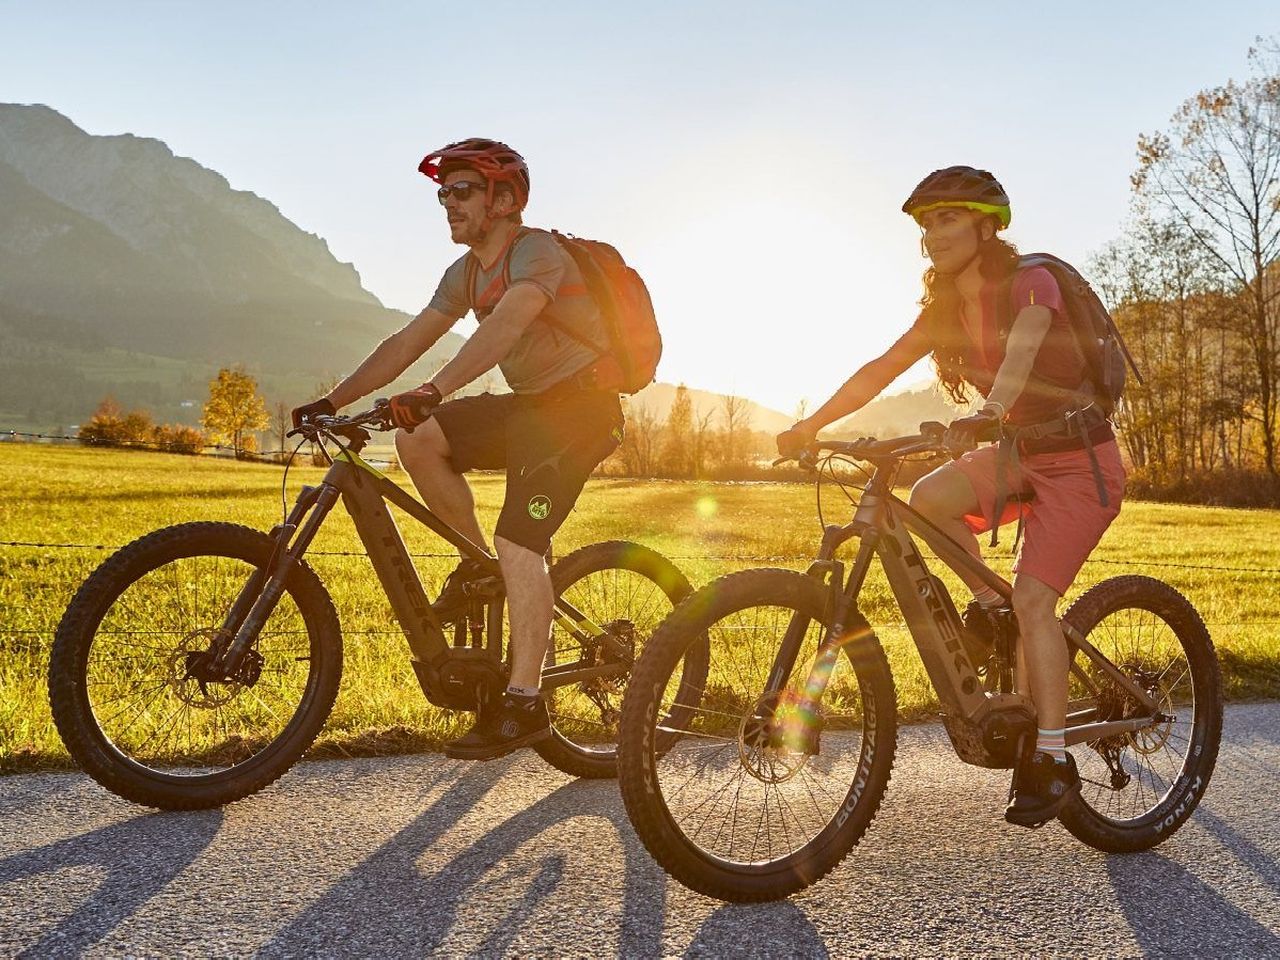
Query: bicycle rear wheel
[[124, 680], [1139, 788], [742, 794], [627, 589]]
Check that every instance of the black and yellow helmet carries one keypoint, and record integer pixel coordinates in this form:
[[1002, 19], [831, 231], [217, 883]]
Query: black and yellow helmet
[[959, 187]]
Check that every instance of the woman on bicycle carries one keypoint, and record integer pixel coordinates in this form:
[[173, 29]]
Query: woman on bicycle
[[1003, 330]]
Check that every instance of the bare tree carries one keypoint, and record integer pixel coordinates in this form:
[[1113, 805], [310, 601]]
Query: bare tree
[[701, 441], [1217, 173], [281, 423], [640, 440], [737, 422]]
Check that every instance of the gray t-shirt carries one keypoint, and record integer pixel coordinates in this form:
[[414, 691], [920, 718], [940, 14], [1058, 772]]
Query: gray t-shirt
[[547, 352]]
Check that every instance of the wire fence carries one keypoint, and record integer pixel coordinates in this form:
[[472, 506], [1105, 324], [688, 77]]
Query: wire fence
[[156, 445], [51, 549]]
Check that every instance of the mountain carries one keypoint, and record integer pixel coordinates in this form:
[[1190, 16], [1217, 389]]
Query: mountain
[[125, 267], [898, 414]]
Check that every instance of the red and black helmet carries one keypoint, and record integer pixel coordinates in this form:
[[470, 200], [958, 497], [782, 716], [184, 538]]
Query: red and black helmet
[[493, 160], [960, 187]]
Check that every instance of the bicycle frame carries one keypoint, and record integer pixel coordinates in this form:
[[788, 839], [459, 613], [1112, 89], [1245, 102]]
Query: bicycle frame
[[884, 525], [366, 492]]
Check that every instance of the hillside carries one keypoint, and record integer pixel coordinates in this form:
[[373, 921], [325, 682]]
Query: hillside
[[125, 267]]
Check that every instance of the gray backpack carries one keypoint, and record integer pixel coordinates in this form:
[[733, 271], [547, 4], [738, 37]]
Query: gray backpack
[[1105, 354]]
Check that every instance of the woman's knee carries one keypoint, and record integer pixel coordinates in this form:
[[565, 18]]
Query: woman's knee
[[1033, 601], [944, 493]]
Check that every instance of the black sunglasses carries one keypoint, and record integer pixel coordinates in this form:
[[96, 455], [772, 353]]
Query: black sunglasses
[[462, 189]]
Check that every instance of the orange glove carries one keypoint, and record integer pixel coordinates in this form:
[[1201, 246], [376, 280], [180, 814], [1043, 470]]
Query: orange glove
[[413, 408]]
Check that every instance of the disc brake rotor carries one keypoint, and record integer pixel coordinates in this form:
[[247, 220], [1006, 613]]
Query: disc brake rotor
[[184, 679], [768, 738]]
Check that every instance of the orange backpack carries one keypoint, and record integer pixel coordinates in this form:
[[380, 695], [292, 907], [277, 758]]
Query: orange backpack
[[635, 345]]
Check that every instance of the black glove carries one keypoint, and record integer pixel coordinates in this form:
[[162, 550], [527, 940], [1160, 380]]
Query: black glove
[[792, 441], [967, 431], [316, 408], [410, 409]]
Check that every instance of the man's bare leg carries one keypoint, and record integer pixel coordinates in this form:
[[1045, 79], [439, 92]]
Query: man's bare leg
[[424, 454], [530, 600]]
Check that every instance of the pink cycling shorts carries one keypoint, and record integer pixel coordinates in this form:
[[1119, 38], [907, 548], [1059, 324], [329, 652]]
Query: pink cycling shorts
[[1064, 521]]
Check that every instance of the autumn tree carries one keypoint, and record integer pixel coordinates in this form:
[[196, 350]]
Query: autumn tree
[[234, 410], [677, 447], [1216, 172]]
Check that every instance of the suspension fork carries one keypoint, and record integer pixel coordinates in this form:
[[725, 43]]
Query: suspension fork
[[265, 587], [842, 599]]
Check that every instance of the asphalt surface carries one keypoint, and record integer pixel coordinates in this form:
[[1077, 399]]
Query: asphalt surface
[[421, 855]]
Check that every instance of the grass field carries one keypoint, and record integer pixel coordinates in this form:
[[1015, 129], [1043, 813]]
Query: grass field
[[71, 495]]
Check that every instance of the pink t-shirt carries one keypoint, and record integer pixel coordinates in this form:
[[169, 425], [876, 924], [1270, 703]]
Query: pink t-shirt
[[1059, 361]]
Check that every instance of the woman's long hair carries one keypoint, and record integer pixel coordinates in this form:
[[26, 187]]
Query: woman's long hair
[[941, 314]]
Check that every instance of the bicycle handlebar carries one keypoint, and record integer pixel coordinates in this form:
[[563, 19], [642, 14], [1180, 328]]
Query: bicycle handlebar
[[377, 417], [870, 449]]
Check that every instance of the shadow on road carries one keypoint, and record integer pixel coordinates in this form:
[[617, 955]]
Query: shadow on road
[[765, 929], [402, 910], [1173, 912], [123, 888]]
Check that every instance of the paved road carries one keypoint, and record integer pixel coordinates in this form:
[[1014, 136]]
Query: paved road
[[418, 855]]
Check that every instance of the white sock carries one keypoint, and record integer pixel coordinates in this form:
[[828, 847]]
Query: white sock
[[1052, 742], [988, 597], [522, 691]]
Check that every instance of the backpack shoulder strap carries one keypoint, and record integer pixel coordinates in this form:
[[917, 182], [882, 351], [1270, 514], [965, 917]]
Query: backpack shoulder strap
[[470, 271], [520, 234], [473, 268]]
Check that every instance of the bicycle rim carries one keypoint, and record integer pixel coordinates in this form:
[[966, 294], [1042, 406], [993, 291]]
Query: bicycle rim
[[1128, 778], [752, 779], [142, 697]]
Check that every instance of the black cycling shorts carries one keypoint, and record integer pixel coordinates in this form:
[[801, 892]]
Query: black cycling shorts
[[549, 443]]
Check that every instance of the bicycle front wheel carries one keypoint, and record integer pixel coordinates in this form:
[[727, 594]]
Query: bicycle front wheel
[[1138, 788], [743, 792], [125, 681], [626, 589]]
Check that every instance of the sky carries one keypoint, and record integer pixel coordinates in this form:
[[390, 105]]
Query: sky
[[749, 159]]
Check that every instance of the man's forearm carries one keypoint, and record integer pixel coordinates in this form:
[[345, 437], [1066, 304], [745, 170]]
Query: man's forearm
[[389, 359], [480, 353]]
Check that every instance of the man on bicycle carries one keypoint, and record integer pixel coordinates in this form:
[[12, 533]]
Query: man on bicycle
[[1068, 461], [540, 325]]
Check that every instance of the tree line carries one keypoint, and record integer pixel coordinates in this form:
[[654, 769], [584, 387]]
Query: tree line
[[716, 442], [1194, 285], [232, 416]]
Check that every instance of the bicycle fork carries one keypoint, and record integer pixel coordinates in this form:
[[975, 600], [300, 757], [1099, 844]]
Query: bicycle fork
[[254, 606], [846, 623]]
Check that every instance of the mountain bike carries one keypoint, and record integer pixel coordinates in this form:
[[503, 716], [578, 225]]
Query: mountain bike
[[198, 663], [756, 784]]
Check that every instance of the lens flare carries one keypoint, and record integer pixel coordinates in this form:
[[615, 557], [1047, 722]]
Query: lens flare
[[707, 507]]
